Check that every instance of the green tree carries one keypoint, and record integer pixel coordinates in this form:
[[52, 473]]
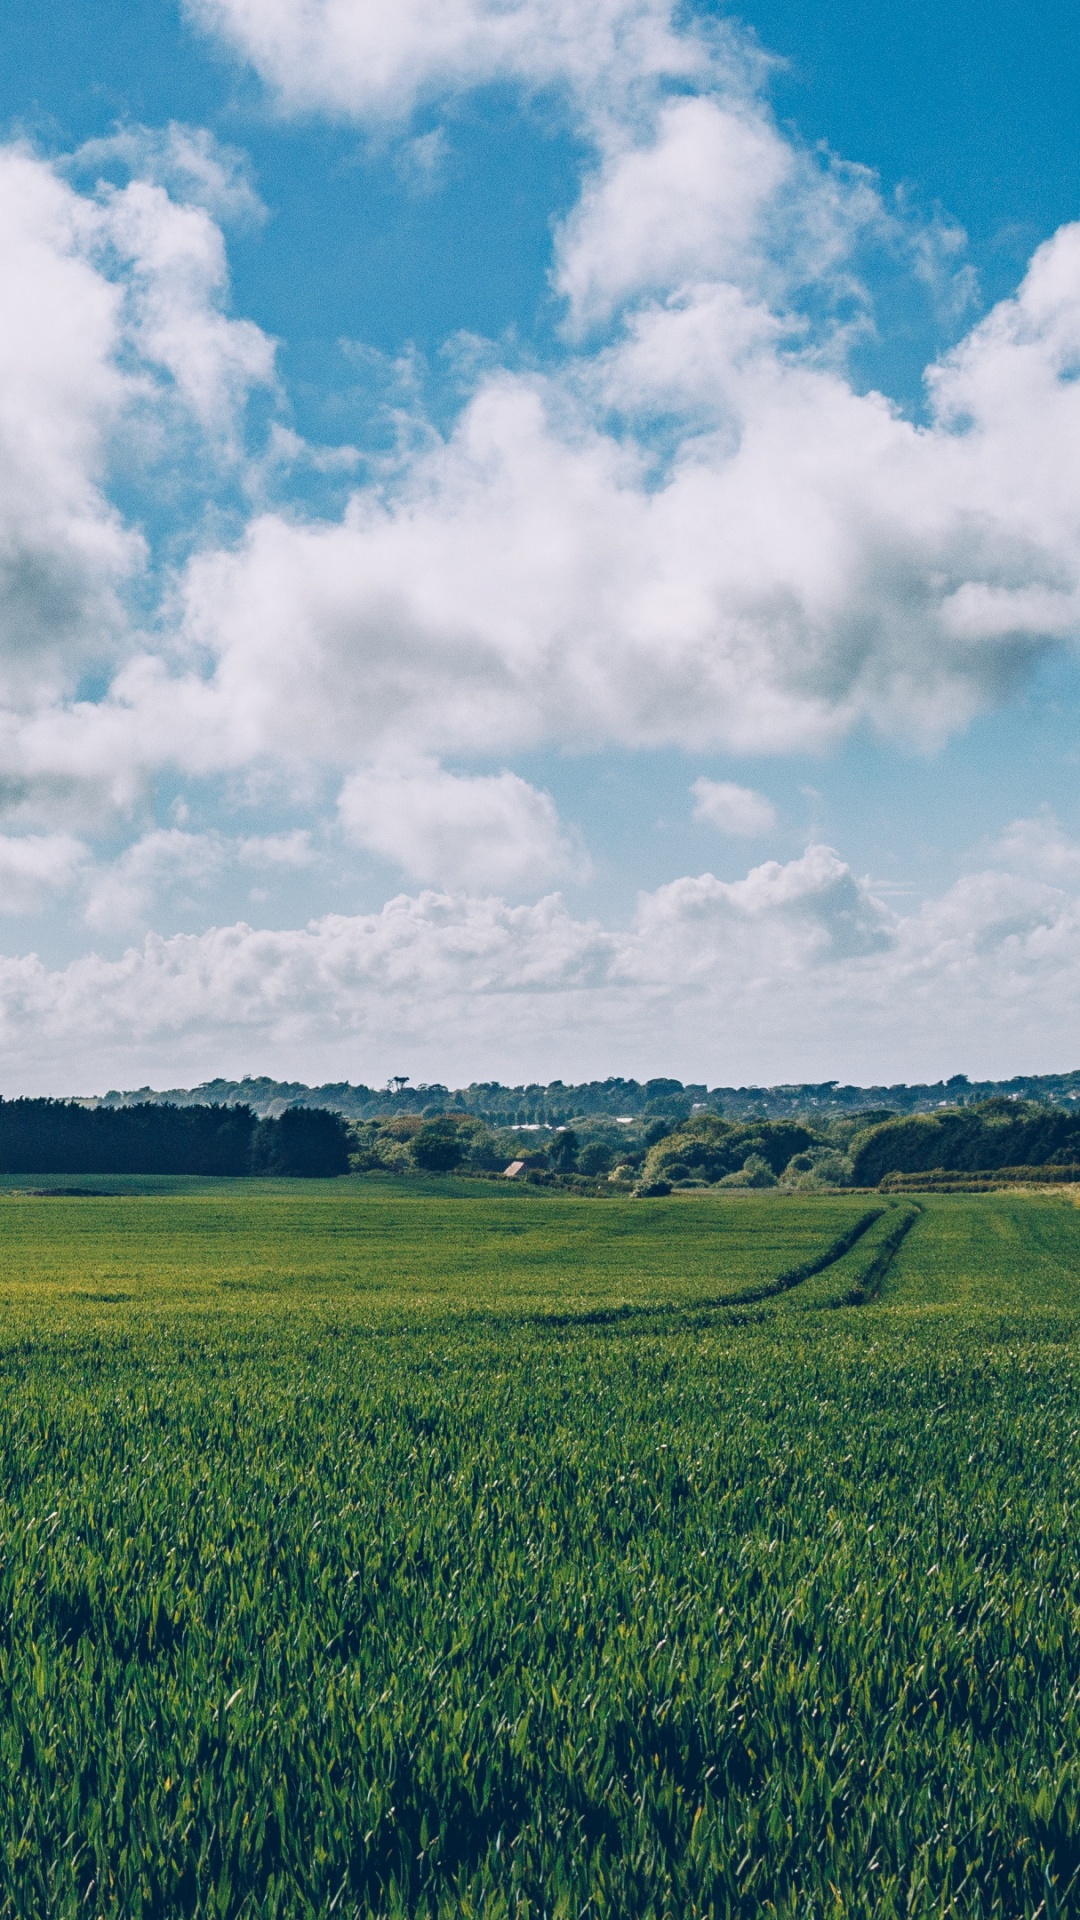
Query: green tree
[[562, 1155], [438, 1147], [595, 1157]]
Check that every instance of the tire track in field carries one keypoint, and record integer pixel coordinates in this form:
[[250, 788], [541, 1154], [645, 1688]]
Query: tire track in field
[[864, 1284], [753, 1297]]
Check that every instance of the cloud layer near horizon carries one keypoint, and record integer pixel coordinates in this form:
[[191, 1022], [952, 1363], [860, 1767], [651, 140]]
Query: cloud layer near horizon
[[796, 972]]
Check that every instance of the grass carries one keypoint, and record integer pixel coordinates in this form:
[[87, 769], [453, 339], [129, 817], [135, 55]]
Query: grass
[[998, 1250], [446, 1553], [397, 1249], [859, 1274]]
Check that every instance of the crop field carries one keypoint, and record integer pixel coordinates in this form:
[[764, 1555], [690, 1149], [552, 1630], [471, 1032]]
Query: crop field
[[399, 1249], [438, 1550]]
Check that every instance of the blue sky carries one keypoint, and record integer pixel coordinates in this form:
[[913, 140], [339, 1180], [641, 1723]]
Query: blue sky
[[487, 587]]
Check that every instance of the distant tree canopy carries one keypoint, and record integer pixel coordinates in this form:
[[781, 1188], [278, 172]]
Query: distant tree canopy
[[990, 1134], [65, 1137], [60, 1136], [706, 1148]]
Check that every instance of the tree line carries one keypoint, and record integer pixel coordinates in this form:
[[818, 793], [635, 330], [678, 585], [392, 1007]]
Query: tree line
[[557, 1103], [62, 1136], [976, 1139]]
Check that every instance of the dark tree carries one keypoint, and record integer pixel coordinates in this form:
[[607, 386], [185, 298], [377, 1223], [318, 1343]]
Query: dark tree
[[596, 1157], [438, 1147], [306, 1142], [563, 1152], [61, 1136]]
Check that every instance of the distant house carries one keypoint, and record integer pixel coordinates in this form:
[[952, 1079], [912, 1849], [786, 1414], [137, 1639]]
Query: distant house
[[513, 1169]]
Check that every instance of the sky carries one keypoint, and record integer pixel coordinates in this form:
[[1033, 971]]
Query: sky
[[538, 539]]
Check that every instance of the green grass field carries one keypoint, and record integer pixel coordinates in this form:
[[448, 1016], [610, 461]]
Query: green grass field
[[372, 1251], [384, 1550]]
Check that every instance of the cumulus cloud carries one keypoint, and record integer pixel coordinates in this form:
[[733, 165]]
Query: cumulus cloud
[[173, 864], [1040, 849], [733, 809], [813, 561], [708, 190], [686, 206], [693, 530], [282, 851], [686, 525], [113, 339], [797, 971], [105, 294], [176, 280], [370, 62], [36, 868], [64, 550], [473, 831]]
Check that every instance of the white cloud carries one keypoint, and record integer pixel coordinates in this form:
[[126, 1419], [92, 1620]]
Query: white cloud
[[421, 162], [733, 809], [171, 864], [101, 294], [36, 868], [1039, 849], [358, 60], [114, 349], [813, 561], [177, 280], [64, 550], [193, 167], [692, 529], [277, 850], [473, 831], [698, 534], [125, 893], [685, 206], [795, 972]]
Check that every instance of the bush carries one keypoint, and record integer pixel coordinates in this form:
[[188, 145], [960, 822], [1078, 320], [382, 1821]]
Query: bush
[[820, 1167], [483, 1152], [61, 1136], [755, 1172]]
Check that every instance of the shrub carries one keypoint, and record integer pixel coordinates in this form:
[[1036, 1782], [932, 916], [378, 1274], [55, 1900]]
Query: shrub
[[819, 1167], [562, 1154], [60, 1136], [755, 1172]]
